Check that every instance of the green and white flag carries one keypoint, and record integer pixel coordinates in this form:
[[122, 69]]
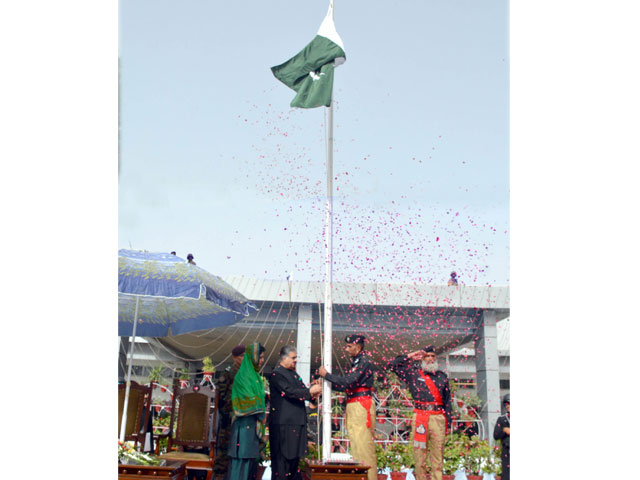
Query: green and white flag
[[310, 72]]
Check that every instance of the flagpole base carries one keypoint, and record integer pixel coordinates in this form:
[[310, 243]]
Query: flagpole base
[[334, 470]]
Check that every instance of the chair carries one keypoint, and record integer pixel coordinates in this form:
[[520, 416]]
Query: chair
[[193, 427], [138, 411]]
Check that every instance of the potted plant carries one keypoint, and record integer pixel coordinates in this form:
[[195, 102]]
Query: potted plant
[[183, 376], [381, 462], [409, 461], [313, 458], [314, 451], [337, 442], [478, 457], [383, 391], [382, 394], [398, 457], [155, 376], [490, 460], [393, 380], [382, 416], [314, 454], [469, 399], [337, 411], [452, 457], [207, 366], [161, 427], [394, 410]]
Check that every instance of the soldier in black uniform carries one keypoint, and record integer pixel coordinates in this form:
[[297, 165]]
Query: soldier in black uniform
[[429, 388], [502, 432], [361, 409], [224, 384]]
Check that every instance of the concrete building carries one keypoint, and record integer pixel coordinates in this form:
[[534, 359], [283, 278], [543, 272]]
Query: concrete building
[[461, 363]]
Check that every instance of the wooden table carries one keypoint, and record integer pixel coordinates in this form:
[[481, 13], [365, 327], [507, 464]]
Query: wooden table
[[336, 471], [173, 470]]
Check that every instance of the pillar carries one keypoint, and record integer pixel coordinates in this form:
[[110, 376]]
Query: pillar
[[488, 377], [303, 343]]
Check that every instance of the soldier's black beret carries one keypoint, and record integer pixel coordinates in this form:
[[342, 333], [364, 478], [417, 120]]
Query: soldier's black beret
[[354, 339], [507, 399], [429, 349]]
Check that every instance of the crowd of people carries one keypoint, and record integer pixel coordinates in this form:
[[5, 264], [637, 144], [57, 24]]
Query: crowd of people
[[245, 413]]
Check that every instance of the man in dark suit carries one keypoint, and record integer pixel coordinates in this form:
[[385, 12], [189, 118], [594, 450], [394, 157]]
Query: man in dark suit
[[288, 416]]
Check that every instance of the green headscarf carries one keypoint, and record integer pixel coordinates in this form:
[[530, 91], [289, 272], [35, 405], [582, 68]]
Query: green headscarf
[[247, 392]]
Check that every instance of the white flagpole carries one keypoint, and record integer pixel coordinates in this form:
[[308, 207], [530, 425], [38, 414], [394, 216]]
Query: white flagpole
[[328, 302], [130, 361]]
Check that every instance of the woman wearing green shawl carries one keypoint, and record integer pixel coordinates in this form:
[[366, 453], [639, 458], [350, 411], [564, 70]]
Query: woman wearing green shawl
[[247, 398]]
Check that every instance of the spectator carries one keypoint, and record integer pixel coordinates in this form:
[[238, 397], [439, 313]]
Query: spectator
[[502, 432], [224, 384], [247, 398]]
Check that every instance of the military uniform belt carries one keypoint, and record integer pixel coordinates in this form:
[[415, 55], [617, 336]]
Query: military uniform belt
[[428, 406], [359, 392]]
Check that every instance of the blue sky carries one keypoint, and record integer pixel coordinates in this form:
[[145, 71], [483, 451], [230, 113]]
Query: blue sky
[[215, 163]]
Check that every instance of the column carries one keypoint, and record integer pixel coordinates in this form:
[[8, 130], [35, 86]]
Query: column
[[303, 343], [488, 378]]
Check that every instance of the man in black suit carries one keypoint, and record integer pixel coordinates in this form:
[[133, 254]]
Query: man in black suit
[[288, 416]]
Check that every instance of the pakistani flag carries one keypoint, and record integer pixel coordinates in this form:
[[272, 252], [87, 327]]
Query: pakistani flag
[[310, 72]]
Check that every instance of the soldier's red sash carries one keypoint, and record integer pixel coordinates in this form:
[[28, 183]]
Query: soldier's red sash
[[435, 393], [421, 427]]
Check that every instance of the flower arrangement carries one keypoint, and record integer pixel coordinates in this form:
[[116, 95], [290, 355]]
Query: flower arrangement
[[130, 456]]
